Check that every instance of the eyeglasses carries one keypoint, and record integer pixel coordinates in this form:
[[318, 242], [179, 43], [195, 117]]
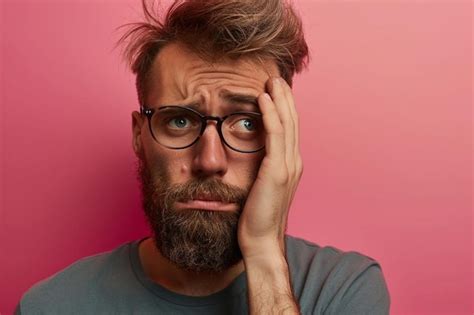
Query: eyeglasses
[[178, 127]]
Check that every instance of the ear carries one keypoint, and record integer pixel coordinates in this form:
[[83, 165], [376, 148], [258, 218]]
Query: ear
[[137, 124]]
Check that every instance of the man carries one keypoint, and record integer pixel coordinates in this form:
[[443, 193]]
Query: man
[[217, 142]]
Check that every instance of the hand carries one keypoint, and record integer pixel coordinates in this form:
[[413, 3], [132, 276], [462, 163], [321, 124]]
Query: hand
[[263, 221]]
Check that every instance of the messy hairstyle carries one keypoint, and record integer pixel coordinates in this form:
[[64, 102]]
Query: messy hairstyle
[[217, 29]]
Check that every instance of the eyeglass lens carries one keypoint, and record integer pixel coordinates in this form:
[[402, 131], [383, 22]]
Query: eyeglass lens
[[176, 127]]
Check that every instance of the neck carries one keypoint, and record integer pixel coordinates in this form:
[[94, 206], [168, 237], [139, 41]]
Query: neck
[[160, 270]]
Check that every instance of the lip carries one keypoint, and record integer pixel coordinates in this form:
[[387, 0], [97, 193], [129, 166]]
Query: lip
[[212, 205]]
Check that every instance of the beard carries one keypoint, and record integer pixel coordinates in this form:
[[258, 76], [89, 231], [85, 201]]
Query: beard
[[192, 239]]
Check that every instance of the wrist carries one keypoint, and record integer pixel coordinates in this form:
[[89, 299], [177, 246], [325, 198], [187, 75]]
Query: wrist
[[262, 248], [268, 263], [268, 269]]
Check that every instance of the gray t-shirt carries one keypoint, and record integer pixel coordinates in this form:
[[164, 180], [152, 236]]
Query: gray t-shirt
[[325, 280]]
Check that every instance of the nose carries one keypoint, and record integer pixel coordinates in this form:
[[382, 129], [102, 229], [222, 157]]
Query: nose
[[210, 153]]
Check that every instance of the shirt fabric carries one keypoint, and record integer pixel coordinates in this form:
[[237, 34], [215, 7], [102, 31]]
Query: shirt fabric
[[325, 280]]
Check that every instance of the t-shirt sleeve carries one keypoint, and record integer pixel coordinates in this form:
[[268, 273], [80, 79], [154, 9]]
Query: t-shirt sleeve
[[367, 294]]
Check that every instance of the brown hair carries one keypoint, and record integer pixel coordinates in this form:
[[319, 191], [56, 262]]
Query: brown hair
[[216, 29]]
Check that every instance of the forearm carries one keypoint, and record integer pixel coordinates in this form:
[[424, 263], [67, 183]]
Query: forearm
[[269, 286]]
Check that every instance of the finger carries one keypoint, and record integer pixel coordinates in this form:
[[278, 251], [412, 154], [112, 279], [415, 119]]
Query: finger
[[280, 99], [296, 150], [293, 114], [275, 138]]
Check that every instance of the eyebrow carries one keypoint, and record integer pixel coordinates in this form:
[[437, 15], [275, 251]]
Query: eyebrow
[[233, 99], [237, 98]]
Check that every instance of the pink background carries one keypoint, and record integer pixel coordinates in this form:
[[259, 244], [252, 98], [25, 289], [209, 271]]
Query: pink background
[[385, 113]]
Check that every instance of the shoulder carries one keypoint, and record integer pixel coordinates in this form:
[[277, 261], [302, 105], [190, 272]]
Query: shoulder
[[301, 252], [76, 283], [334, 276]]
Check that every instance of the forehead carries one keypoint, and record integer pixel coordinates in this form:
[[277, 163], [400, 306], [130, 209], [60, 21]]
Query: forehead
[[178, 73]]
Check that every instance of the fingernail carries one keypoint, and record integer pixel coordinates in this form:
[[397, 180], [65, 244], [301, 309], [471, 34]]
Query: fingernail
[[267, 96], [276, 81]]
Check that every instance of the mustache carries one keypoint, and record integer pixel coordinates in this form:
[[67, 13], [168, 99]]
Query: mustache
[[207, 188]]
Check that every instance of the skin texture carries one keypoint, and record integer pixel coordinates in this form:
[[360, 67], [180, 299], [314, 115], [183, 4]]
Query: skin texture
[[271, 176]]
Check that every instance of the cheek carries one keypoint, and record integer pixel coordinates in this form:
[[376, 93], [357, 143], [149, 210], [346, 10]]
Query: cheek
[[253, 168], [246, 170], [165, 163], [175, 168]]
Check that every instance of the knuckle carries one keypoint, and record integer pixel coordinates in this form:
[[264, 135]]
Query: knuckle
[[300, 173], [299, 167], [282, 178]]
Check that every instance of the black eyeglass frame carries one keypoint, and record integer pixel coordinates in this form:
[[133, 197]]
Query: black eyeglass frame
[[149, 111]]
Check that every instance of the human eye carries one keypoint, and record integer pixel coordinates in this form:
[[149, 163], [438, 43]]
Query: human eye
[[178, 122], [243, 123], [247, 124], [175, 120], [179, 119]]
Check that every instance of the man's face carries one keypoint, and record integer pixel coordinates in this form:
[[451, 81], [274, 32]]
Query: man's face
[[196, 238]]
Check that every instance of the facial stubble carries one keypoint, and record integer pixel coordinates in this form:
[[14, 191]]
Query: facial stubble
[[192, 239]]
